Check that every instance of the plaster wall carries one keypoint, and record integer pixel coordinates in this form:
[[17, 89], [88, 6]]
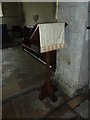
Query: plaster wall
[[71, 72], [45, 11]]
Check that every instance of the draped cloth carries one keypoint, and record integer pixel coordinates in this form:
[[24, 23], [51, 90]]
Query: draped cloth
[[52, 36]]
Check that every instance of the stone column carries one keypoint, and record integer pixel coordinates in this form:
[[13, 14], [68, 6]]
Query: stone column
[[71, 72]]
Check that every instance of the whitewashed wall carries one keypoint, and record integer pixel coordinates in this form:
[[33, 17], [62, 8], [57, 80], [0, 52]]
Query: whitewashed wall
[[72, 64], [12, 14], [45, 11]]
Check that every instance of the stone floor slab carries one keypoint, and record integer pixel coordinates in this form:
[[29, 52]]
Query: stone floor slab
[[29, 106], [82, 109], [76, 101], [7, 111], [62, 112]]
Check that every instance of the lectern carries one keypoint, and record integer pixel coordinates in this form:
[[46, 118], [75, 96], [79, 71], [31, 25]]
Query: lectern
[[50, 37]]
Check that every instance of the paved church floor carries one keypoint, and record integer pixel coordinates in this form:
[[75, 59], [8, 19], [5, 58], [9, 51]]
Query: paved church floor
[[22, 77]]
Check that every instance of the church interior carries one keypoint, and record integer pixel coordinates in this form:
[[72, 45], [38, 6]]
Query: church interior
[[44, 51]]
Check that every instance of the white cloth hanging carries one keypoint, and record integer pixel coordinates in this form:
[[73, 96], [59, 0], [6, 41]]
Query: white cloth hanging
[[52, 36]]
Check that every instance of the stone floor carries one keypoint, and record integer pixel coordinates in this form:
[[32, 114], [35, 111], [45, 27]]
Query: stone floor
[[22, 77], [29, 106], [20, 71]]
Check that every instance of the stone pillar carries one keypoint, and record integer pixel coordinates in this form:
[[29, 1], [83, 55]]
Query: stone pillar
[[71, 71]]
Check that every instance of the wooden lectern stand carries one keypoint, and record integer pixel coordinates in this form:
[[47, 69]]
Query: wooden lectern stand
[[47, 89]]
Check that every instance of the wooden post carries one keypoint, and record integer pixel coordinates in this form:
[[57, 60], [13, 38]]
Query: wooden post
[[48, 90]]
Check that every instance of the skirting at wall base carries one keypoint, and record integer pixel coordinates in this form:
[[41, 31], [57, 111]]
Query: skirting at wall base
[[70, 91], [65, 88]]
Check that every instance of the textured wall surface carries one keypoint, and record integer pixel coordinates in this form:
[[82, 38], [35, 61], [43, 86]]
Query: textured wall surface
[[12, 14], [72, 62], [45, 11]]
